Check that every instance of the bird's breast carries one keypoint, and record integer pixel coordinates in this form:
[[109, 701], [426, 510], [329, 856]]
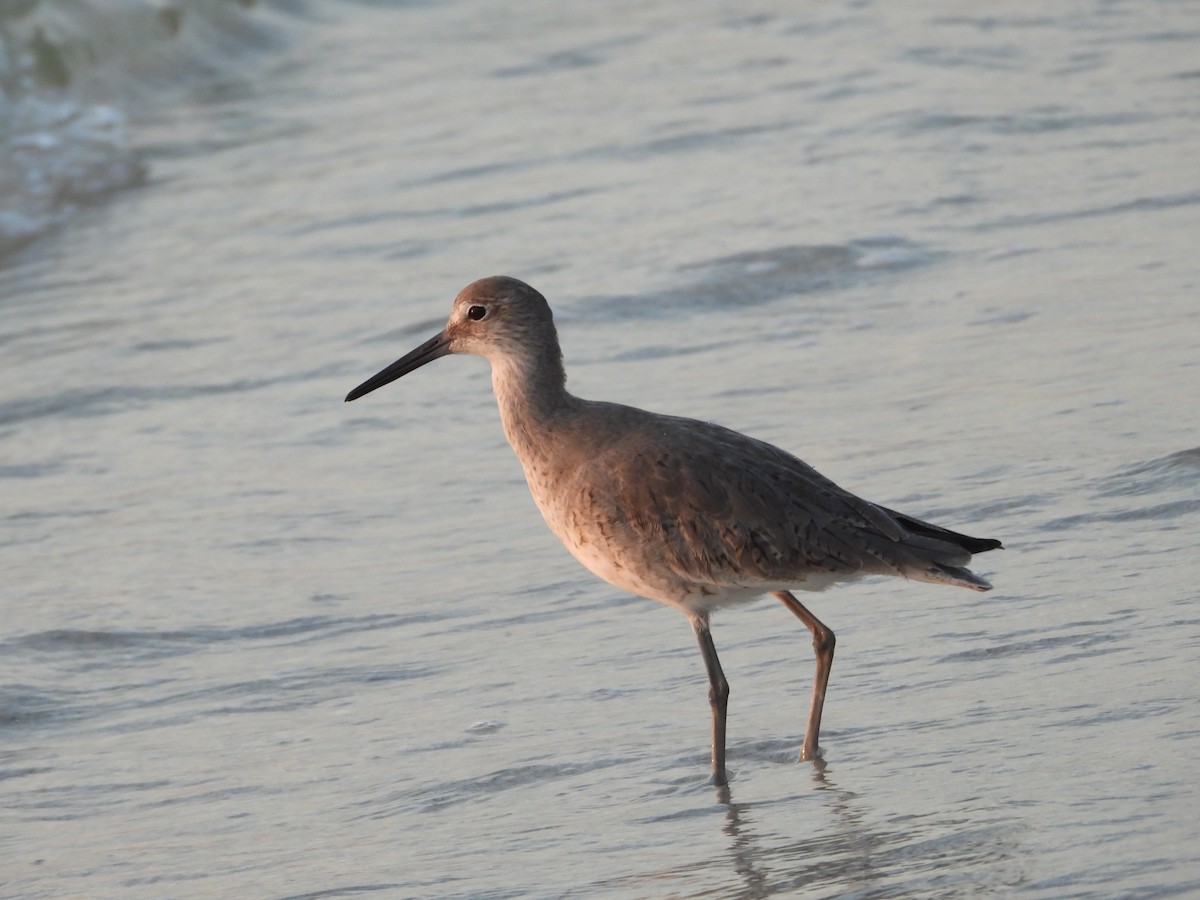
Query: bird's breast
[[587, 518]]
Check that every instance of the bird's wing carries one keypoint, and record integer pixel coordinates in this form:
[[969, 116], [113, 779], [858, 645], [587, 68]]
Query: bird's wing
[[725, 507]]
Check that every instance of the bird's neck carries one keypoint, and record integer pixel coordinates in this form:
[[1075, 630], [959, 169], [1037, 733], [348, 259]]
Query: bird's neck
[[534, 402]]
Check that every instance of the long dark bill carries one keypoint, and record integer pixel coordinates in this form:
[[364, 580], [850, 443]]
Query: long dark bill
[[434, 348]]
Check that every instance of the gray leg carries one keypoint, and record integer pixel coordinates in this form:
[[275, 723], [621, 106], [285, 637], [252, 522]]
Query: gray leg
[[718, 694], [823, 643]]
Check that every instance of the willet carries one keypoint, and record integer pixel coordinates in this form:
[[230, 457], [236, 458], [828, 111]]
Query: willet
[[681, 511]]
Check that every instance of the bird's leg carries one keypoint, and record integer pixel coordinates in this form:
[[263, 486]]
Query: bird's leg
[[823, 643], [718, 694]]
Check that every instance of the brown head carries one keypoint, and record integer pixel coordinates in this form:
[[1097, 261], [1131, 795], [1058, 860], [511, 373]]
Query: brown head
[[499, 318]]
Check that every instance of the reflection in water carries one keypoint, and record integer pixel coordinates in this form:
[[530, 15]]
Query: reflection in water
[[851, 853], [847, 852]]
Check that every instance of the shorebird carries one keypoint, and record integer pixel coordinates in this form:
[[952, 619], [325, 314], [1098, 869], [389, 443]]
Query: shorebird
[[681, 511]]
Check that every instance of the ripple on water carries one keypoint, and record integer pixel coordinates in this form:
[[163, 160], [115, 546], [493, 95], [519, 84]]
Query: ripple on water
[[762, 276], [1165, 473], [443, 794], [1134, 493], [97, 401], [102, 675]]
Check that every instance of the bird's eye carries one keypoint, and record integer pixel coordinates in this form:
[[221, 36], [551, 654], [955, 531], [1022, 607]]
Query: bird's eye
[[476, 312]]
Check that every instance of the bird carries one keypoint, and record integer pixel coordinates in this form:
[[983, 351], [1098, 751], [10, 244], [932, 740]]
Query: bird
[[678, 510]]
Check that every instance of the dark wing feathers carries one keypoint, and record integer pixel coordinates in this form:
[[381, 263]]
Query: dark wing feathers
[[966, 542]]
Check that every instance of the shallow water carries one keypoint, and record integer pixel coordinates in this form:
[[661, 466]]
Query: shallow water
[[258, 642]]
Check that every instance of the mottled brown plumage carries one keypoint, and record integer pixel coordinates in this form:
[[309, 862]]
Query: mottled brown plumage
[[678, 510]]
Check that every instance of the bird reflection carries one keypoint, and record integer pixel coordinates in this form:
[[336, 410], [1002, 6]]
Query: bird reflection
[[852, 850]]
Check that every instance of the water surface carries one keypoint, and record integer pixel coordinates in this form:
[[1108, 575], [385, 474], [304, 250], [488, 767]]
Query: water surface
[[257, 642]]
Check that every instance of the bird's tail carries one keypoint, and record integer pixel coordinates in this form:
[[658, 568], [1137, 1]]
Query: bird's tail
[[939, 555]]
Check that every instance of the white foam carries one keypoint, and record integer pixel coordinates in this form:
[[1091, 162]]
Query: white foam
[[68, 71], [54, 156]]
